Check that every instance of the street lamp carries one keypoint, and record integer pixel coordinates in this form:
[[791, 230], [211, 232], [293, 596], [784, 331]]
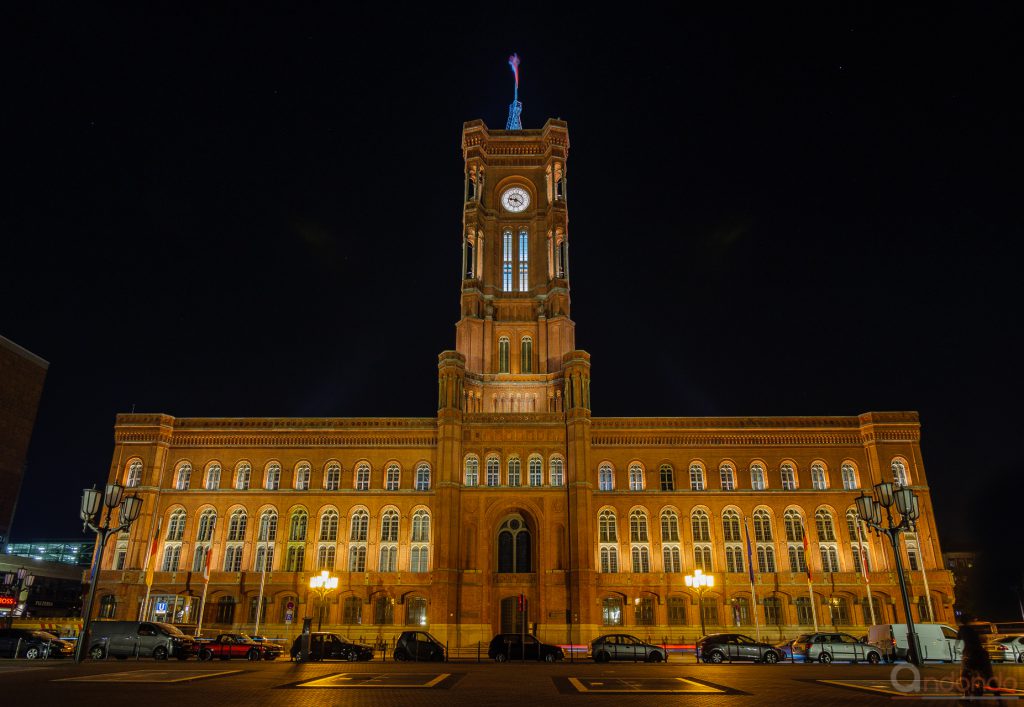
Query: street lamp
[[16, 582], [833, 605], [907, 504], [128, 511], [322, 585], [700, 582]]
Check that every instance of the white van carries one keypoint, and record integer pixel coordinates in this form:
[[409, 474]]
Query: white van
[[938, 641]]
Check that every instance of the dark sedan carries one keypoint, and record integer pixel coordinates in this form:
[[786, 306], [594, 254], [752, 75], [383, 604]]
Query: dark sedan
[[622, 646], [728, 647], [324, 645], [26, 643], [513, 646]]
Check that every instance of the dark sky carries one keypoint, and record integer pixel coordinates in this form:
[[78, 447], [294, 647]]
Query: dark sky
[[239, 212]]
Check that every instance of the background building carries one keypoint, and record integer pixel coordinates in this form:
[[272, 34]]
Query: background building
[[21, 384], [515, 488]]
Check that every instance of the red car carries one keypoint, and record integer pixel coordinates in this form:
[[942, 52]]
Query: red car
[[236, 645]]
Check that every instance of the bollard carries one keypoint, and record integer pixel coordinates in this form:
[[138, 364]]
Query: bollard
[[478, 651], [17, 649], [47, 656], [446, 651]]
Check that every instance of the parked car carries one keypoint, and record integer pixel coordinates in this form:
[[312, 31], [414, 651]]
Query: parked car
[[512, 646], [723, 647], [826, 647], [125, 639], [323, 645], [622, 646], [274, 648], [938, 641], [236, 645], [418, 645], [1006, 649], [33, 644]]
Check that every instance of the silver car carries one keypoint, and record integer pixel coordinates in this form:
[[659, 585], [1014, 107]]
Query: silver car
[[622, 646], [826, 647], [1007, 649]]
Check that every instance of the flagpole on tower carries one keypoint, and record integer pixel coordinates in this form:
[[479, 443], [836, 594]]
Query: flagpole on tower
[[515, 108]]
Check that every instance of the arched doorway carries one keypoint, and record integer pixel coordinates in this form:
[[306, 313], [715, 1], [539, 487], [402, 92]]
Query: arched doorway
[[515, 551], [511, 617]]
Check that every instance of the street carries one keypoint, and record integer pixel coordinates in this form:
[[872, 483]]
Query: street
[[157, 683]]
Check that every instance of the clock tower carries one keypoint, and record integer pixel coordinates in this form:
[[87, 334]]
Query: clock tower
[[515, 328]]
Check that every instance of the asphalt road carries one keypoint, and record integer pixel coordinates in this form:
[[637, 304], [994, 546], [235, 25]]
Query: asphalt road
[[148, 683]]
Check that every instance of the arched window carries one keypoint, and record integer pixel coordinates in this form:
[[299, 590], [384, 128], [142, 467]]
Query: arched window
[[524, 260], [668, 482], [825, 526], [804, 610], [849, 477], [733, 558], [423, 477], [506, 260], [899, 473], [325, 557], [670, 558], [636, 477], [332, 477], [611, 611], [797, 561], [731, 526], [242, 476], [609, 559], [641, 558], [638, 527], [757, 479], [176, 525], [472, 471], [605, 478], [421, 527], [264, 558], [762, 526], [416, 611], [765, 558], [233, 558], [213, 477], [134, 477], [493, 471], [854, 527], [184, 476], [388, 561], [913, 555], [273, 477], [526, 355], [296, 558], [302, 475], [352, 613], [268, 526], [788, 474], [299, 522], [701, 526], [360, 524], [702, 558], [329, 526], [535, 472], [829, 558], [236, 526], [514, 546], [557, 472], [362, 477], [172, 556], [794, 527], [728, 478], [606, 525], [357, 558], [514, 472], [669, 527], [202, 558], [384, 611], [206, 523], [696, 477], [419, 557], [389, 527], [819, 481], [392, 477], [503, 355]]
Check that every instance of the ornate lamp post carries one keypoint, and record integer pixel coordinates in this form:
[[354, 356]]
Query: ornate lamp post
[[322, 585], [700, 582], [16, 582], [93, 501], [870, 509]]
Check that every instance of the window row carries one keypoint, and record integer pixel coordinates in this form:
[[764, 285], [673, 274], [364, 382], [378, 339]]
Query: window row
[[242, 479], [525, 354], [736, 611], [512, 474]]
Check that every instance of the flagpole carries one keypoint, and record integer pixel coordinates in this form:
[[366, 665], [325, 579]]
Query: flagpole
[[864, 569], [753, 593], [924, 575], [150, 553], [810, 587], [263, 579], [206, 576]]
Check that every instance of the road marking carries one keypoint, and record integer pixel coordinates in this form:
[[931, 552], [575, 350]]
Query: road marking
[[161, 676], [644, 685], [378, 680]]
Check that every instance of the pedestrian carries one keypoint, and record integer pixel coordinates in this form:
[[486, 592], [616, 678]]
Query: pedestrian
[[975, 667]]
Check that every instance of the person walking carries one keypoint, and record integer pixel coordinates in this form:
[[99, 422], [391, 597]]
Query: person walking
[[975, 666]]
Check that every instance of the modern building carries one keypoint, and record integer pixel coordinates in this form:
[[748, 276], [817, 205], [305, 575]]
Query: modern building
[[70, 552], [516, 494], [22, 374], [962, 565]]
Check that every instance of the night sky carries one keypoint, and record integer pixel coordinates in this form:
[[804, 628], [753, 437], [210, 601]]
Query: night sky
[[239, 212]]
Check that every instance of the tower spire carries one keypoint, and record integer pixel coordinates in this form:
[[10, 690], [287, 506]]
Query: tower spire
[[515, 108]]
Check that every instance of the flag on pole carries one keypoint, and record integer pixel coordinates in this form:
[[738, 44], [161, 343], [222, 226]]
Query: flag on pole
[[513, 61], [807, 557], [206, 563], [750, 552], [151, 556]]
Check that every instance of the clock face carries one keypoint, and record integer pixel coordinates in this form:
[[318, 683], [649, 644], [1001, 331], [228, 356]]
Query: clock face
[[515, 199]]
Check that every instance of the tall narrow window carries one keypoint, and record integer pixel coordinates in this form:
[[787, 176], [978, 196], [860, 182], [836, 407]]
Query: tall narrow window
[[213, 477], [899, 473], [362, 480], [273, 480], [514, 472], [514, 546], [506, 261], [535, 471], [667, 480], [727, 477], [184, 476], [636, 478], [696, 477], [788, 477], [819, 481], [423, 478], [849, 477], [526, 355], [302, 475], [134, 474], [608, 538], [299, 521], [242, 476], [669, 527], [605, 478], [329, 526], [757, 477], [472, 471], [557, 472], [332, 478], [731, 526], [524, 260], [392, 477], [493, 471], [503, 355]]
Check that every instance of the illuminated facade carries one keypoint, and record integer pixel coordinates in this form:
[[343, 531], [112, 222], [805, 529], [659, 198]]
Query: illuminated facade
[[515, 487]]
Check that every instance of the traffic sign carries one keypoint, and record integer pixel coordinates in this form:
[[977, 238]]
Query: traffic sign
[[289, 615], [290, 606]]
